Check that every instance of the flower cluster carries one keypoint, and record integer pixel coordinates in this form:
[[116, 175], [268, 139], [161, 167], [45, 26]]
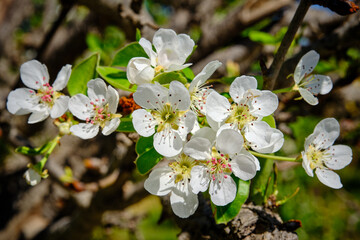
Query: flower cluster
[[210, 140]]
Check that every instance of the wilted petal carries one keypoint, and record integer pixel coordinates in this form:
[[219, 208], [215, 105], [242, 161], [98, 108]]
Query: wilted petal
[[85, 130], [329, 178], [222, 191], [340, 157], [34, 74], [60, 107], [62, 78], [240, 85]]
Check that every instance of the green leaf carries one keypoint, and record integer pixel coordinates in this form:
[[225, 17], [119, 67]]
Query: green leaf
[[224, 214], [168, 77], [302, 128], [270, 120], [262, 37], [126, 125], [81, 74], [33, 151], [138, 34], [148, 157], [116, 77], [124, 55], [189, 74]]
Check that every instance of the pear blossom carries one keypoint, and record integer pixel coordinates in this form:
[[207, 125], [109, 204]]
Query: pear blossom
[[198, 91], [40, 99], [309, 85], [220, 154], [98, 109], [320, 153], [168, 109], [174, 179], [171, 53], [245, 114], [32, 177]]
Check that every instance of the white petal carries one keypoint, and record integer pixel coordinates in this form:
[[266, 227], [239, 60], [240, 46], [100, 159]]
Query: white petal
[[80, 107], [319, 84], [206, 132], [183, 205], [146, 44], [139, 71], [62, 78], [186, 124], [32, 177], [306, 164], [308, 97], [160, 181], [96, 90], [240, 85], [112, 97], [263, 138], [177, 67], [111, 126], [85, 130], [325, 133], [150, 96], [243, 167], [60, 107], [263, 103], [229, 141], [21, 101], [163, 38], [198, 148], [306, 65], [329, 178], [217, 107], [185, 46], [34, 74], [36, 117], [168, 144], [214, 124], [204, 75], [222, 191], [200, 179], [252, 157], [340, 157], [179, 95], [143, 122]]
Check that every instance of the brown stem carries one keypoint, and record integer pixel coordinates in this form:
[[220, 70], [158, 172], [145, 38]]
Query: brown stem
[[273, 72]]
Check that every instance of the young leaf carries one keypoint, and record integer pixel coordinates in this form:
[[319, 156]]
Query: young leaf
[[270, 120], [138, 34], [262, 37], [124, 55], [81, 74], [148, 157], [116, 78], [126, 125], [224, 214], [33, 151], [168, 77], [188, 73]]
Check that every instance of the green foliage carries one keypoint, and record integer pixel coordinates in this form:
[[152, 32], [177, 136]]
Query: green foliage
[[167, 77], [34, 151], [188, 73], [81, 74], [126, 125], [224, 214], [138, 34], [148, 157], [267, 38], [116, 77], [123, 56], [260, 182], [270, 120], [302, 128]]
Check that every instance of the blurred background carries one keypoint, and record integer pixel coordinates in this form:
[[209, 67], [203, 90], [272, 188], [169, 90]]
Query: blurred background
[[93, 191]]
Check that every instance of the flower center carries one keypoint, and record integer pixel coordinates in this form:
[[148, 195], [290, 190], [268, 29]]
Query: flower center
[[219, 164], [316, 157], [240, 115], [47, 95], [198, 98], [182, 167], [166, 117], [101, 114]]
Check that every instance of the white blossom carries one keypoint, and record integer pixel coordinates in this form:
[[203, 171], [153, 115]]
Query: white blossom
[[175, 179], [32, 177], [309, 85], [245, 114], [220, 154], [40, 99], [171, 53], [198, 91], [168, 109], [322, 155], [98, 109]]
